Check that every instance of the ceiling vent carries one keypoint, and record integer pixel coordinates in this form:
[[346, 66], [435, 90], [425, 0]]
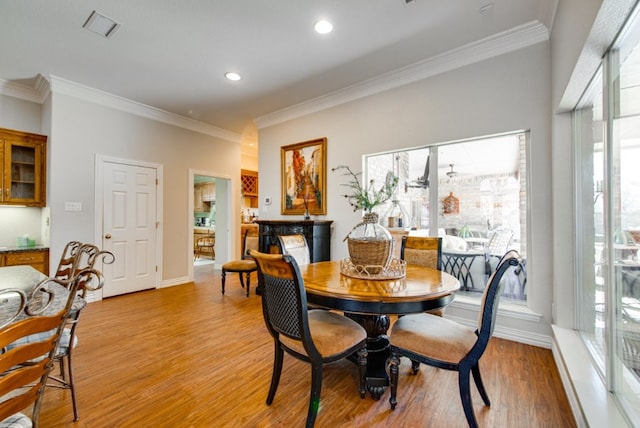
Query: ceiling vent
[[100, 24]]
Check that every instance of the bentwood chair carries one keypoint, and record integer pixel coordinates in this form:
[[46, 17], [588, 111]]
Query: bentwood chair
[[206, 245], [81, 269], [296, 246], [67, 260], [445, 344], [29, 336], [314, 336], [243, 266]]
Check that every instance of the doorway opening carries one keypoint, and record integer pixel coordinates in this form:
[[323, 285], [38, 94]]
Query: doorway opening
[[210, 213]]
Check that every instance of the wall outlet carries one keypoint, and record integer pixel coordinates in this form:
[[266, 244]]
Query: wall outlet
[[267, 201]]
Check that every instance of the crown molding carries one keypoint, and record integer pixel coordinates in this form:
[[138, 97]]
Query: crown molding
[[23, 92], [66, 87], [45, 85], [547, 13], [508, 41]]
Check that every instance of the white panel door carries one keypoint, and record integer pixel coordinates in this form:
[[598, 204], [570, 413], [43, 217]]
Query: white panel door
[[129, 227]]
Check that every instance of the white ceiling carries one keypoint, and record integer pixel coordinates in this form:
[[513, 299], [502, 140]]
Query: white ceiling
[[172, 55]]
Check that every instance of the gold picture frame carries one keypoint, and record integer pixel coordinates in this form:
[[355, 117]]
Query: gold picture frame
[[304, 178]]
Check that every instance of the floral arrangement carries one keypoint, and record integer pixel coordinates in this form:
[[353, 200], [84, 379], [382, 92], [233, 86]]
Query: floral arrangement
[[367, 197]]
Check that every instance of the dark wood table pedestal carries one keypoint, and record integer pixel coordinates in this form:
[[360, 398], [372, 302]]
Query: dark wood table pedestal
[[370, 302]]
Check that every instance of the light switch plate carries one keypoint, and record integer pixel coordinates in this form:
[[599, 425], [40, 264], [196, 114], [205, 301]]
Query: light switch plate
[[73, 206]]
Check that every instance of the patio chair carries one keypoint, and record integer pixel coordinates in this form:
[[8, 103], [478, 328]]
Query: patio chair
[[497, 246]]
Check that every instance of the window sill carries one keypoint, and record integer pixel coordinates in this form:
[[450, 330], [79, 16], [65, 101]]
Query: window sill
[[505, 309], [590, 401]]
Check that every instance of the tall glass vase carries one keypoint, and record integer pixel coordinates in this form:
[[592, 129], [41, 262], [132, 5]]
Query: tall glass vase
[[370, 244]]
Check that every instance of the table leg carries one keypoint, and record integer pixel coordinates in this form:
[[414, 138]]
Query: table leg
[[378, 351]]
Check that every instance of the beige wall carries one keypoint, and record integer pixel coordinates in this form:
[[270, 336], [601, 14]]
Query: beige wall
[[506, 93], [81, 130]]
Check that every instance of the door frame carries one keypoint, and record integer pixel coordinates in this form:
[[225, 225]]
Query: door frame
[[100, 160], [221, 256]]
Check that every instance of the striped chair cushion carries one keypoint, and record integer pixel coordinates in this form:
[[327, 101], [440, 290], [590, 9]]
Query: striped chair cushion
[[19, 420]]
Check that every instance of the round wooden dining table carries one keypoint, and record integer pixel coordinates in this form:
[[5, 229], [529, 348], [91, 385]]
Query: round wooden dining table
[[370, 301]]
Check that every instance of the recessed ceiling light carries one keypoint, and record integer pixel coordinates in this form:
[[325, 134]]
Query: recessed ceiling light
[[323, 27], [100, 24], [232, 76]]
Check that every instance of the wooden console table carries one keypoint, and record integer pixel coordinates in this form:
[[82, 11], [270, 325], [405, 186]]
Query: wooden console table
[[316, 232]]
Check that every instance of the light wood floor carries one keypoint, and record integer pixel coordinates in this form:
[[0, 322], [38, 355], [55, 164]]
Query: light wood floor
[[186, 356]]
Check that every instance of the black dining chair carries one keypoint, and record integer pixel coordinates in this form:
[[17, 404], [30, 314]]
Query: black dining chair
[[296, 246], [314, 336], [448, 345]]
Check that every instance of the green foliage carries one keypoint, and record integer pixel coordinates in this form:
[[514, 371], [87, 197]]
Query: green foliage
[[368, 197]]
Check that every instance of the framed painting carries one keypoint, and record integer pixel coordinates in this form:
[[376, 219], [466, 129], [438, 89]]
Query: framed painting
[[304, 177]]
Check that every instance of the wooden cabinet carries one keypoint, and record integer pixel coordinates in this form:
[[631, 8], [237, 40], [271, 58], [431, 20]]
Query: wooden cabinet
[[316, 232], [249, 180], [22, 163], [204, 194], [38, 259]]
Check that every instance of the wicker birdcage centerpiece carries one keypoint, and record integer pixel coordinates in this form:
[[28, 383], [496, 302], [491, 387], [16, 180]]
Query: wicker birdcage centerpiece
[[369, 243]]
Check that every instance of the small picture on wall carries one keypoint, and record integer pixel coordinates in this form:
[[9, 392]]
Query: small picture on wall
[[304, 179]]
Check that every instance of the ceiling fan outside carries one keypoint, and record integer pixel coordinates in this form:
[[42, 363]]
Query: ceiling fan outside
[[451, 173], [422, 182]]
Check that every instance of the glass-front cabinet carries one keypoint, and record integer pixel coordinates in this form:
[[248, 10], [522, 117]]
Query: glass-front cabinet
[[22, 159]]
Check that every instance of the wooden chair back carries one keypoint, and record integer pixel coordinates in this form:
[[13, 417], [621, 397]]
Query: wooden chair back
[[284, 300], [422, 251]]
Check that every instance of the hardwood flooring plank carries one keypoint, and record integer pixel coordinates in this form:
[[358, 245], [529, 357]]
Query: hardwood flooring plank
[[188, 356]]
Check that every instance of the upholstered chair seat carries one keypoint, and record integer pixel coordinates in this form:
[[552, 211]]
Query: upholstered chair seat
[[431, 335], [331, 333]]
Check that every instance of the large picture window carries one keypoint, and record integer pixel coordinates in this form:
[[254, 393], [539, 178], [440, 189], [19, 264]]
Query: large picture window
[[472, 193], [607, 148]]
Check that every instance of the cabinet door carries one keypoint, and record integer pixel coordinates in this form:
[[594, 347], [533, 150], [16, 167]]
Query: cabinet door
[[23, 165]]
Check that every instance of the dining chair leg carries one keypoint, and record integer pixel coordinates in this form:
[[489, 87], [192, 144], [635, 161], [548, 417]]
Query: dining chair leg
[[241, 279], [248, 282], [475, 370], [275, 376], [314, 399], [415, 366], [465, 395], [223, 275], [72, 386], [394, 362]]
